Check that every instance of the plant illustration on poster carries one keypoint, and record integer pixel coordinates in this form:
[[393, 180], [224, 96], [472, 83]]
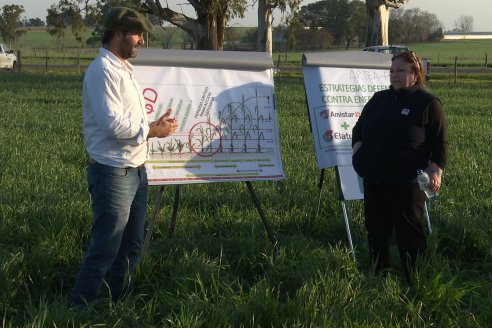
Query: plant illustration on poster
[[227, 125]]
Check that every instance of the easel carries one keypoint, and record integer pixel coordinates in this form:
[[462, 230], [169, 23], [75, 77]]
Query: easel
[[343, 199], [172, 225], [342, 202]]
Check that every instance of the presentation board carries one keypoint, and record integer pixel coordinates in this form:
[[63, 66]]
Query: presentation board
[[338, 85], [224, 103]]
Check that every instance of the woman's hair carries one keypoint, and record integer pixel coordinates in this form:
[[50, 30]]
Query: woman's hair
[[416, 65]]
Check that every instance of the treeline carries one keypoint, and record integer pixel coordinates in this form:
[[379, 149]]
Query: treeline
[[320, 25], [343, 23]]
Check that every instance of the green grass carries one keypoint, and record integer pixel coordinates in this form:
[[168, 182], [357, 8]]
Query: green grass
[[469, 53], [38, 38], [219, 268]]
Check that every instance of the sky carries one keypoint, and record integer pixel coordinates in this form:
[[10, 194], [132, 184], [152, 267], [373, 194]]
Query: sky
[[447, 11]]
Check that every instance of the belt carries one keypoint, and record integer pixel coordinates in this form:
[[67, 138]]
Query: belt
[[91, 161]]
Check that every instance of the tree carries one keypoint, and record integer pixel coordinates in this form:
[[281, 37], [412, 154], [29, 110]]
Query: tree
[[342, 18], [166, 37], [251, 37], [208, 28], [464, 24], [73, 13], [378, 12], [293, 27], [9, 21], [265, 20], [413, 26], [33, 22], [206, 31], [355, 30], [314, 40], [57, 23]]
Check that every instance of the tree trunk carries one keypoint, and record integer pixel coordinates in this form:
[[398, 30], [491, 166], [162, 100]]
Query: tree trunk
[[265, 20], [378, 19], [205, 33], [374, 9], [203, 29], [221, 27]]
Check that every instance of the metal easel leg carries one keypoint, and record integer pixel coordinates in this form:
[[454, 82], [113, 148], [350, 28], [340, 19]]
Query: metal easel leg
[[172, 225], [347, 227], [267, 225], [320, 186], [150, 228]]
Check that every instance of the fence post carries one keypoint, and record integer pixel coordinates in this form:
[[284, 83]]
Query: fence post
[[46, 62], [78, 60], [455, 69], [486, 60]]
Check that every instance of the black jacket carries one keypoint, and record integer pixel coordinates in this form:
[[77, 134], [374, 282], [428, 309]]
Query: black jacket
[[400, 132]]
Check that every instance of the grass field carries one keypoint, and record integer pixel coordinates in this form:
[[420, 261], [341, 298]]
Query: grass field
[[219, 269], [469, 53]]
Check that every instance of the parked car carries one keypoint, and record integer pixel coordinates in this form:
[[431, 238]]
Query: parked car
[[8, 60], [395, 50]]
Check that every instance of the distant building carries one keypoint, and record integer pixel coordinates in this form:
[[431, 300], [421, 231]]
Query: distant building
[[467, 35]]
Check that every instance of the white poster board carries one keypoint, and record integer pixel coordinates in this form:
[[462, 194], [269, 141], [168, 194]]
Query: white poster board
[[225, 107], [338, 85], [335, 97], [351, 184]]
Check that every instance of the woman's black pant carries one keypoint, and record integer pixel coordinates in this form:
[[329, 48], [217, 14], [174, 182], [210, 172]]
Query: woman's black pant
[[398, 208]]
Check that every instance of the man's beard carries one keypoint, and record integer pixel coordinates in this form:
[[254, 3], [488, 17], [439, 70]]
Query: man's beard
[[128, 50]]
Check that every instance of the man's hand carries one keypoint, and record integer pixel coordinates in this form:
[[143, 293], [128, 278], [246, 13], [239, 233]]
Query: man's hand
[[163, 127]]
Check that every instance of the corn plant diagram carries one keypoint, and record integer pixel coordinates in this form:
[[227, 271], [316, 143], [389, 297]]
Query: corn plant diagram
[[227, 125]]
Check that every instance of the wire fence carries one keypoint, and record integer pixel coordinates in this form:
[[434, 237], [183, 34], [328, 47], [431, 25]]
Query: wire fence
[[48, 59]]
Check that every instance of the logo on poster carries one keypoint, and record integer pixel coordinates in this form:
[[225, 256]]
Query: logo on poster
[[328, 135], [325, 114]]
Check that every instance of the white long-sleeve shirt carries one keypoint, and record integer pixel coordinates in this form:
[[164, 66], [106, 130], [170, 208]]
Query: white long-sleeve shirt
[[114, 116]]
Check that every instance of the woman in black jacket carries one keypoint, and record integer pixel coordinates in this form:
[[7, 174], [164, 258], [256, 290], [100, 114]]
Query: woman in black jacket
[[401, 130]]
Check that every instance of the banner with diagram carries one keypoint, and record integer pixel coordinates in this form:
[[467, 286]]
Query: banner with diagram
[[227, 124]]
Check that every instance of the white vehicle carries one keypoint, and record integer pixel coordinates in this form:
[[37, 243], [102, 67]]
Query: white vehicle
[[8, 59], [395, 50]]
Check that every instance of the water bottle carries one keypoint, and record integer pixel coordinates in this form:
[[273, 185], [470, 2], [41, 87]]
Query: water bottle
[[423, 179]]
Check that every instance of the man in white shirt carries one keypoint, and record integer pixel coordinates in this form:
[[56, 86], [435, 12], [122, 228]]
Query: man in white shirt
[[116, 132]]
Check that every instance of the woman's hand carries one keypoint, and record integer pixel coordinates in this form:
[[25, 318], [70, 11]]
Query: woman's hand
[[435, 176]]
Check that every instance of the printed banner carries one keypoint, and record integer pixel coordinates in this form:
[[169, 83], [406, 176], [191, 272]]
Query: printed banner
[[335, 98], [227, 125]]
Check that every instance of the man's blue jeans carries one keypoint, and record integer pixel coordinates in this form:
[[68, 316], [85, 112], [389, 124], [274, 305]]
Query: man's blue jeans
[[119, 206]]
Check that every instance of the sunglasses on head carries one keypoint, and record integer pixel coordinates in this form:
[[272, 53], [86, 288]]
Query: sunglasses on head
[[414, 58]]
